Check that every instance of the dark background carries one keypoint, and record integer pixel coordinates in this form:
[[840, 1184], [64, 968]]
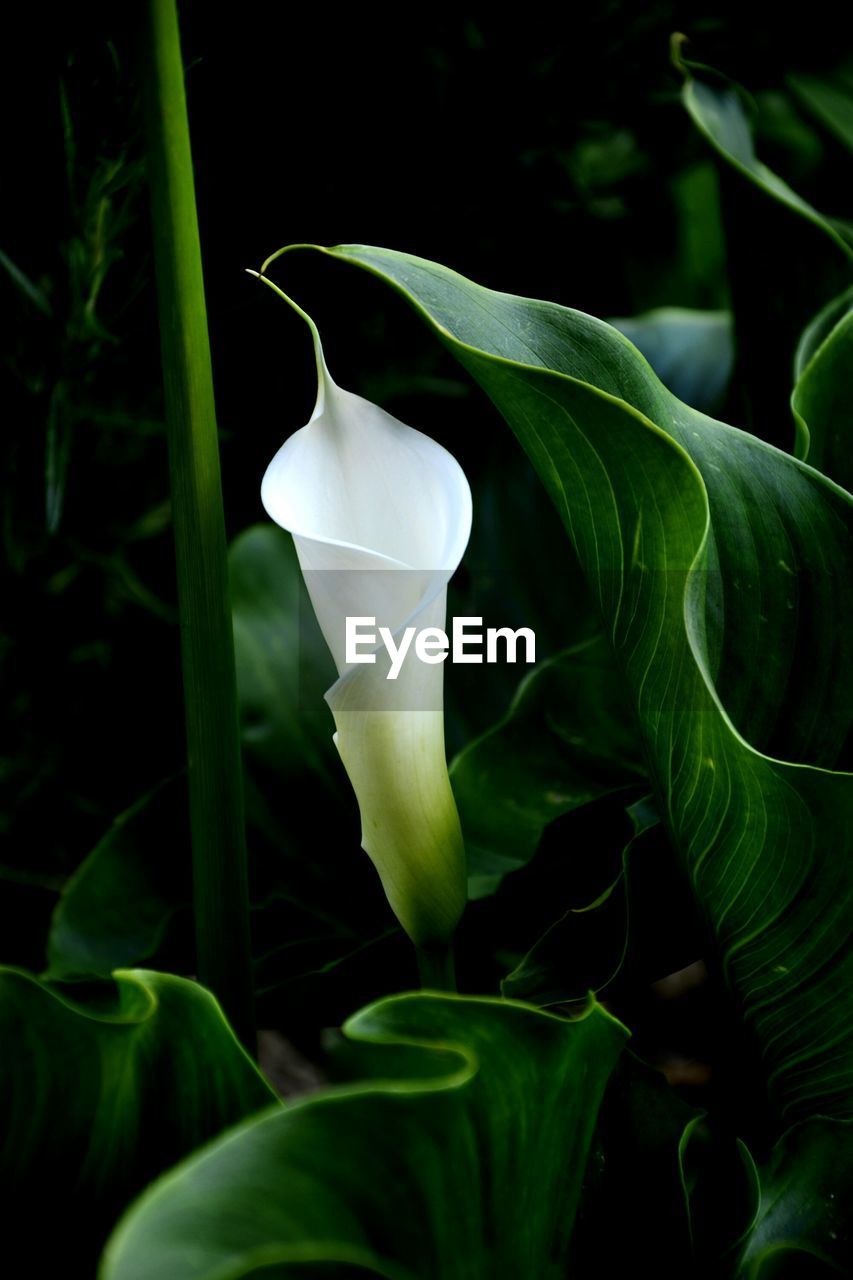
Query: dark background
[[542, 154]]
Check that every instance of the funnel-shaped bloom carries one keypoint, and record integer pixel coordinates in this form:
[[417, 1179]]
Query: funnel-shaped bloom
[[380, 515]]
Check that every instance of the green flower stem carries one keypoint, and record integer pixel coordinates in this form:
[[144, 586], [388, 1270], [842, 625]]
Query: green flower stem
[[436, 967], [207, 643]]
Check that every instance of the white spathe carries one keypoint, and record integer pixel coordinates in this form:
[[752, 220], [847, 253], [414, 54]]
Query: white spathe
[[380, 516]]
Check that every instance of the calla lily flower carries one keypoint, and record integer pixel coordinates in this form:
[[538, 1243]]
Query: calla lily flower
[[380, 516]]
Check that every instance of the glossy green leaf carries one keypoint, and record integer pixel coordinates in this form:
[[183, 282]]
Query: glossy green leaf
[[692, 352], [115, 908], [459, 1151], [821, 396], [722, 568], [101, 1089], [567, 739], [718, 108]]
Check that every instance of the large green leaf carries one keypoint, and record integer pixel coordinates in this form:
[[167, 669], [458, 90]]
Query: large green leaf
[[101, 1089], [458, 1151], [817, 332], [723, 568], [821, 396], [567, 739]]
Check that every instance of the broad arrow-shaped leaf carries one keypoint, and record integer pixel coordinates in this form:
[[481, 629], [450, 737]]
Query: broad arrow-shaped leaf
[[723, 568], [459, 1151]]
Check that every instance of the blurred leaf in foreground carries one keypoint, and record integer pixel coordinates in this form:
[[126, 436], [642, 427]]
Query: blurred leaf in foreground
[[459, 1150], [103, 1087]]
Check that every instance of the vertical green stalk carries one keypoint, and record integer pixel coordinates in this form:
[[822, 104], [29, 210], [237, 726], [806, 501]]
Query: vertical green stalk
[[436, 968], [207, 643]]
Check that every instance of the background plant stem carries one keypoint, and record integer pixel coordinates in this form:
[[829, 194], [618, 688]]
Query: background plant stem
[[436, 967], [207, 644]]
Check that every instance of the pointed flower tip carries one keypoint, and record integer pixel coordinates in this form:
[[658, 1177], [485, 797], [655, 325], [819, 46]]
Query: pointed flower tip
[[356, 478], [360, 490]]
